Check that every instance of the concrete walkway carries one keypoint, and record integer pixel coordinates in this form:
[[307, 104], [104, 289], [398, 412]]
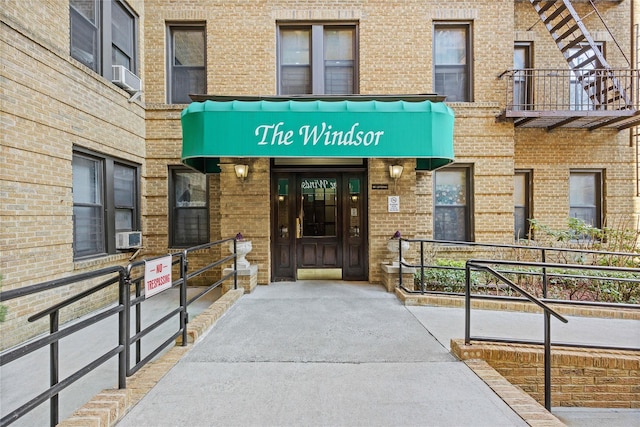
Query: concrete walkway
[[320, 354], [27, 377]]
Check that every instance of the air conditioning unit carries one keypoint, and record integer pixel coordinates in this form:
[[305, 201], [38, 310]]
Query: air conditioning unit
[[129, 240], [126, 79]]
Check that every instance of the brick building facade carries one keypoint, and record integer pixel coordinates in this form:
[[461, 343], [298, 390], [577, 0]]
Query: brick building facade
[[64, 121]]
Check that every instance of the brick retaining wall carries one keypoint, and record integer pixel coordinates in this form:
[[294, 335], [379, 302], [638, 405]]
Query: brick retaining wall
[[579, 377]]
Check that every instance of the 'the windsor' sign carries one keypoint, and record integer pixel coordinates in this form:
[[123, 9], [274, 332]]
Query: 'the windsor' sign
[[365, 129]]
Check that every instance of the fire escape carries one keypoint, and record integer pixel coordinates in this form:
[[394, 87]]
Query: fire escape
[[588, 94]]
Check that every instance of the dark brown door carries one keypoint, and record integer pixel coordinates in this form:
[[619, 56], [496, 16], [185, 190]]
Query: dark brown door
[[319, 224]]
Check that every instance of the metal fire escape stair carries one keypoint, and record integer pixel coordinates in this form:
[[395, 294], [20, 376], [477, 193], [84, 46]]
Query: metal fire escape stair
[[588, 62]]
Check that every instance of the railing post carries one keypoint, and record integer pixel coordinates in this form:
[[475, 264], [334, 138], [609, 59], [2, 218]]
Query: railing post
[[422, 267], [54, 366], [138, 322], [123, 324], [126, 285], [547, 360], [545, 278], [467, 304], [400, 284], [184, 319], [235, 264]]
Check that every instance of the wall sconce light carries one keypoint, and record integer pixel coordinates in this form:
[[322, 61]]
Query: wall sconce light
[[395, 171], [242, 171], [354, 198]]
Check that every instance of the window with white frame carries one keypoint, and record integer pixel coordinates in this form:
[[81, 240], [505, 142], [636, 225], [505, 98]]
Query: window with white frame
[[317, 59], [187, 60], [189, 208], [585, 196], [452, 204], [452, 61], [105, 201], [104, 33]]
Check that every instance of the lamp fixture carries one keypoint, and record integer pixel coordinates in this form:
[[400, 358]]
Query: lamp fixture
[[395, 172], [242, 171]]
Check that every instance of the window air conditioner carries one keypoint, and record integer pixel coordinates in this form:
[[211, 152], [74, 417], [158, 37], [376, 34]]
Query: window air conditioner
[[126, 79], [129, 240]]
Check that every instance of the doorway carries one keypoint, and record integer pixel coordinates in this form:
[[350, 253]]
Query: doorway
[[319, 224]]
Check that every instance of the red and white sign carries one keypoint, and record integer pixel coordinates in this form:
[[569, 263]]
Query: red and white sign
[[157, 276]]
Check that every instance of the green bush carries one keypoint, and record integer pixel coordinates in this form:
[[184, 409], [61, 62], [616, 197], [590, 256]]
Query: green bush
[[449, 277]]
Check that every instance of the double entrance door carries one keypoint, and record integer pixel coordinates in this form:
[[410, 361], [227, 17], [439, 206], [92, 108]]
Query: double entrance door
[[319, 225]]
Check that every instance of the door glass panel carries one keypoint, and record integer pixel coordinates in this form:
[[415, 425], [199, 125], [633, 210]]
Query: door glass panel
[[354, 207], [319, 207], [284, 228]]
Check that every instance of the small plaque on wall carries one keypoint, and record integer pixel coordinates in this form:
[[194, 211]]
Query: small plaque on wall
[[379, 186], [394, 203]]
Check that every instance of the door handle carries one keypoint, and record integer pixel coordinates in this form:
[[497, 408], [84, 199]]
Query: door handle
[[298, 228]]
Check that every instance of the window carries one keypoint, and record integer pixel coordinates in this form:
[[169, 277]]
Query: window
[[522, 194], [317, 59], [452, 207], [124, 197], [88, 202], [452, 61], [189, 215], [583, 81], [122, 37], [585, 197], [186, 68], [522, 87], [105, 201], [103, 33], [85, 25]]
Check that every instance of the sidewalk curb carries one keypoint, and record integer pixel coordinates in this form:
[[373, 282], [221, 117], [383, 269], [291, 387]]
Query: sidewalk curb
[[108, 407], [522, 404]]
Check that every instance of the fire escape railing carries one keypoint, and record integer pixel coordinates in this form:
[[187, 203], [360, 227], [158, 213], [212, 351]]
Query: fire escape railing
[[563, 90]]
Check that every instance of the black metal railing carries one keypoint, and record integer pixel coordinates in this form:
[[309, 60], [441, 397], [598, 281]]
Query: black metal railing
[[131, 295], [543, 270], [563, 89], [566, 257], [547, 311]]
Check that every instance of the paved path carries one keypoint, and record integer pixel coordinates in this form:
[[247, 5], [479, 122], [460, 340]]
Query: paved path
[[27, 377], [320, 353]]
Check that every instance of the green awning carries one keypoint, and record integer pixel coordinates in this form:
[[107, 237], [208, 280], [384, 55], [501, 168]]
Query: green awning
[[316, 128]]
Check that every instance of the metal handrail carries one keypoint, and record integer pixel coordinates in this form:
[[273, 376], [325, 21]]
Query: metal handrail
[[554, 89], [543, 255], [55, 335], [481, 265], [122, 309], [485, 265]]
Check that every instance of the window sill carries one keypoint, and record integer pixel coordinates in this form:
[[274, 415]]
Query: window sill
[[101, 261]]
